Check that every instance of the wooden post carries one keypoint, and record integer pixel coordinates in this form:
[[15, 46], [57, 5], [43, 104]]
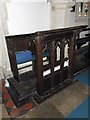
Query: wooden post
[[71, 57], [39, 65], [62, 59], [52, 62]]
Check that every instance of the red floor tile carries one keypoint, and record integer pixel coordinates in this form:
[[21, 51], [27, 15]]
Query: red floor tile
[[10, 104], [4, 89], [6, 96], [27, 106]]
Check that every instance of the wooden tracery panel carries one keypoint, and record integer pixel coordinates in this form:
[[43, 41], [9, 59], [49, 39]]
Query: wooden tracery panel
[[60, 68], [56, 68]]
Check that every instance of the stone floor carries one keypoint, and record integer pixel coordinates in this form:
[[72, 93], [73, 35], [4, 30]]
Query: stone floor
[[61, 104], [57, 106]]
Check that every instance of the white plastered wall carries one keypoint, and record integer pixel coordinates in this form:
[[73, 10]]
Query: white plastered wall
[[4, 61], [20, 17], [27, 17]]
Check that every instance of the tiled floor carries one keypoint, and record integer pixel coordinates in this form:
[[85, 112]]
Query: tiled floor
[[45, 110], [59, 105], [67, 99]]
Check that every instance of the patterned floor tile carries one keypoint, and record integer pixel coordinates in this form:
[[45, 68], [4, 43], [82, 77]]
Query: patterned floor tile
[[9, 104], [6, 96], [11, 108], [57, 106], [27, 106]]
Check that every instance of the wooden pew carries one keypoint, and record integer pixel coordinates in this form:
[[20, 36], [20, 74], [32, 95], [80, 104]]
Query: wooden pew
[[55, 80], [81, 41], [60, 71], [20, 50]]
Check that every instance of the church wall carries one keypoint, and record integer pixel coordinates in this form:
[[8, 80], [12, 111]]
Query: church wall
[[27, 17], [23, 16]]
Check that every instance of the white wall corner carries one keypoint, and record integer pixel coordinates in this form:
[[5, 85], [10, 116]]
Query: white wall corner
[[1, 73], [3, 17], [5, 75]]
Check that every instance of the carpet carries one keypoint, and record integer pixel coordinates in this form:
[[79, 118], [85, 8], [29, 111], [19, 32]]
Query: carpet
[[81, 111], [84, 77]]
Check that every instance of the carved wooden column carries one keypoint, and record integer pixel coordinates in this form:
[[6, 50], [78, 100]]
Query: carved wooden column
[[71, 57], [62, 58], [39, 63], [52, 63]]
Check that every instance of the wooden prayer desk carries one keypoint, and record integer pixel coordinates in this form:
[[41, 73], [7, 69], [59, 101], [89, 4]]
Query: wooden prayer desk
[[60, 66]]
